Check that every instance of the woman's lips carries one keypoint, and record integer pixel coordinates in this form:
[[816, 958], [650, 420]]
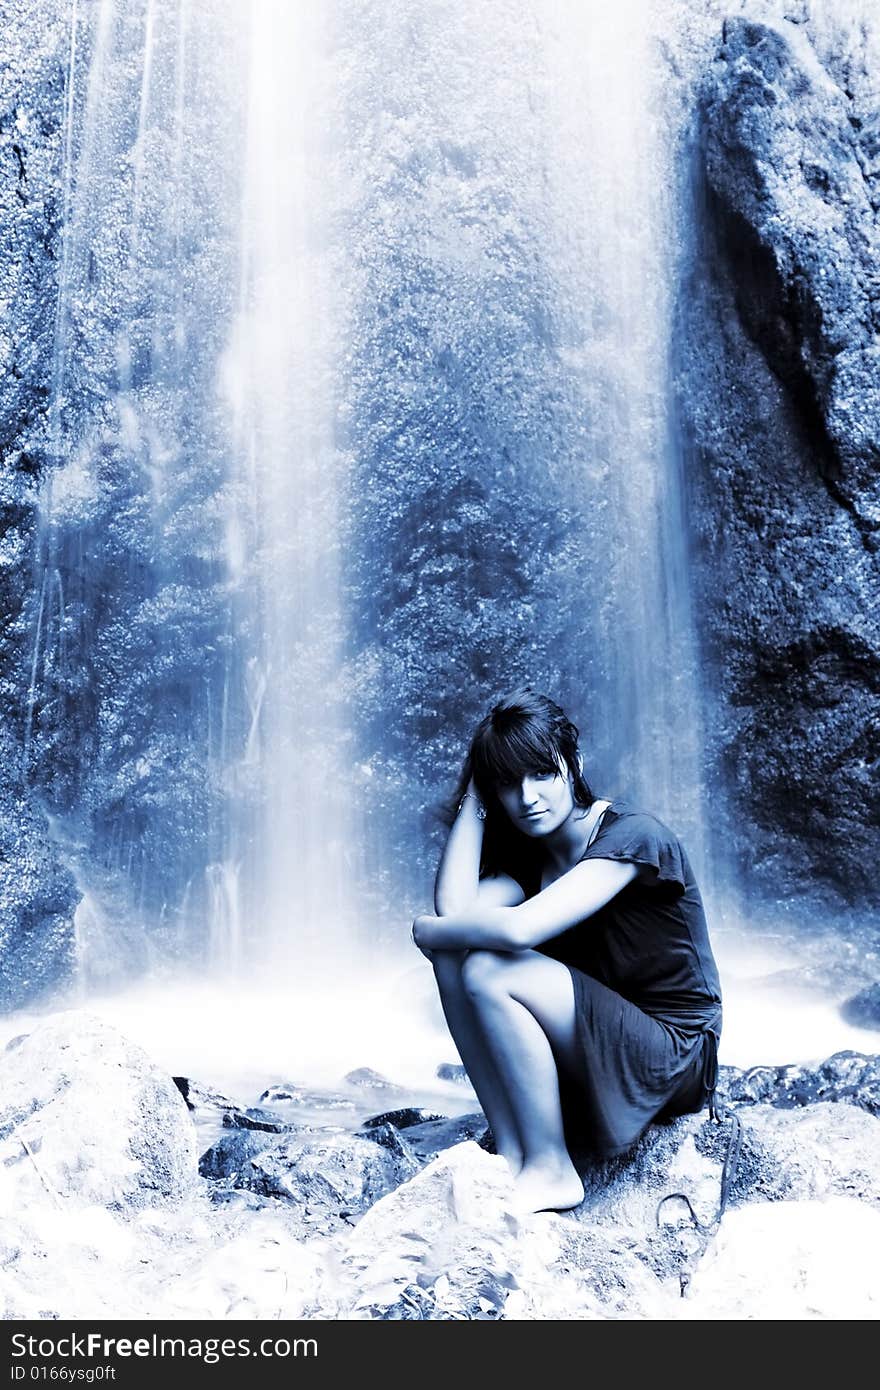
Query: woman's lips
[[532, 815]]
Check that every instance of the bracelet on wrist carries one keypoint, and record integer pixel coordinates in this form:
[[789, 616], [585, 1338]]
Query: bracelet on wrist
[[478, 805]]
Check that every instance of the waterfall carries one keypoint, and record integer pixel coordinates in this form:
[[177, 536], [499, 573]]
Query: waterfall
[[282, 544], [359, 413], [516, 215], [619, 227]]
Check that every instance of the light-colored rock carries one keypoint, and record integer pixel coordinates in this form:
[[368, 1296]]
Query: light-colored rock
[[186, 1259], [449, 1245], [819, 1151], [233, 1153], [589, 1273], [87, 1119], [796, 1260], [366, 1079], [444, 1245], [85, 1236]]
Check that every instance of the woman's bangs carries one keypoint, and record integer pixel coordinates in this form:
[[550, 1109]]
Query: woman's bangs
[[517, 753]]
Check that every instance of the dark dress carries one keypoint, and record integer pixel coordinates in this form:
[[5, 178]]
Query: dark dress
[[647, 992]]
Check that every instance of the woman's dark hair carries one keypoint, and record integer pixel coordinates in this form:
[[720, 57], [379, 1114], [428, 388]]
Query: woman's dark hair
[[523, 733]]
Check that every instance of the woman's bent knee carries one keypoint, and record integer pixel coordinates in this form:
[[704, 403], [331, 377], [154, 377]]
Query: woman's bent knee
[[482, 971]]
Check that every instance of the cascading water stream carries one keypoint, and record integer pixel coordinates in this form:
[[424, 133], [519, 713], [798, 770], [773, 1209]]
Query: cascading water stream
[[278, 378], [362, 310], [614, 176]]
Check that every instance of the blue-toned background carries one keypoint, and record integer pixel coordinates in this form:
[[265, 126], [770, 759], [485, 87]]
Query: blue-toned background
[[361, 361]]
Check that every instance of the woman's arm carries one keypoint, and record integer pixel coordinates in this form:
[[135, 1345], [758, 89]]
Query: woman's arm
[[458, 873], [458, 885], [576, 895]]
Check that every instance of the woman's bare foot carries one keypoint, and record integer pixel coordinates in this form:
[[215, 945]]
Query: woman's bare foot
[[548, 1186]]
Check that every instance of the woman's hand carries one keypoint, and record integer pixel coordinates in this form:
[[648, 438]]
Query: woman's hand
[[418, 932]]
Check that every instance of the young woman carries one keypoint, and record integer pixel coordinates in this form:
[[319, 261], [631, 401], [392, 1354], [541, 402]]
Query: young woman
[[571, 953]]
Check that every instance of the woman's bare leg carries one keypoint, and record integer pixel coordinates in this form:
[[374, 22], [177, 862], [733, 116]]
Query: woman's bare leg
[[476, 1056], [525, 1006]]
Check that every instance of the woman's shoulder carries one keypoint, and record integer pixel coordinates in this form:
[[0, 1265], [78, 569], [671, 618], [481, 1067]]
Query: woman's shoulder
[[632, 818], [628, 833]]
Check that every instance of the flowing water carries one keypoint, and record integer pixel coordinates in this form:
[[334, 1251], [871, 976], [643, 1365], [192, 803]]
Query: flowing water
[[244, 193], [278, 379], [614, 175]]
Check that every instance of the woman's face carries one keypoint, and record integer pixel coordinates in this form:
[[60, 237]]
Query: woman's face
[[540, 803]]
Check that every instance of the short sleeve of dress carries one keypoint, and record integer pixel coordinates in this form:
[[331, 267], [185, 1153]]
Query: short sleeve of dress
[[638, 838]]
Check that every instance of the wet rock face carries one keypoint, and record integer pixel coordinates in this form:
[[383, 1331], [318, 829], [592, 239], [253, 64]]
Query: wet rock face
[[112, 608], [31, 110], [779, 393], [797, 201], [37, 893]]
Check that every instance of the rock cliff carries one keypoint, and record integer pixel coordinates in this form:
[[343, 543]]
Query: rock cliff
[[779, 394]]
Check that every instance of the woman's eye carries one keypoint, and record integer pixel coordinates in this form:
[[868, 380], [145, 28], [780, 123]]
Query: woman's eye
[[531, 777]]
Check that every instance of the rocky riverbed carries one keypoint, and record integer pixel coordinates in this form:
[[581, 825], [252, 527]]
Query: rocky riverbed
[[352, 1205]]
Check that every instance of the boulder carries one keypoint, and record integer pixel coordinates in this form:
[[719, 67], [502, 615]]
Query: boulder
[[255, 1118], [853, 1077], [863, 1009], [391, 1139], [199, 1097], [429, 1138], [335, 1177], [231, 1155], [793, 1153], [215, 1255], [442, 1246], [209, 1107], [86, 1117], [364, 1078], [820, 1151], [288, 1093], [402, 1119], [283, 1091], [449, 1245]]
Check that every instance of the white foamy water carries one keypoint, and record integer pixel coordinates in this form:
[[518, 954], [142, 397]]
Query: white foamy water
[[780, 1004], [381, 1011], [240, 1038]]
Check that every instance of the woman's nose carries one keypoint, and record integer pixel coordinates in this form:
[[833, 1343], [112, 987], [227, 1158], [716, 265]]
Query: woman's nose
[[528, 792]]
